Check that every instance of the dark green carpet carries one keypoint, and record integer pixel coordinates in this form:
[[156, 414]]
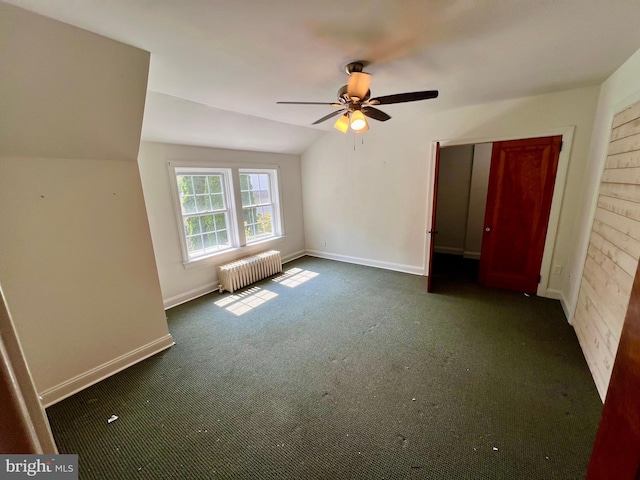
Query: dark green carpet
[[356, 373]]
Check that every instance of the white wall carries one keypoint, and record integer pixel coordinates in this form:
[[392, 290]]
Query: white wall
[[76, 259], [597, 328], [370, 205], [620, 90], [478, 199], [454, 181], [178, 283]]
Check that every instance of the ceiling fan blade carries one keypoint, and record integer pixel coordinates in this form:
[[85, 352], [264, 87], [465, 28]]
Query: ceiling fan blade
[[404, 97], [333, 104], [375, 114], [327, 117], [358, 85]]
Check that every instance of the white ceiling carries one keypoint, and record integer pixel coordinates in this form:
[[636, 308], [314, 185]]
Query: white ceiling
[[219, 66]]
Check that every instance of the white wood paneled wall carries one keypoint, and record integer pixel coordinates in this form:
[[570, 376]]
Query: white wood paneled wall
[[614, 250]]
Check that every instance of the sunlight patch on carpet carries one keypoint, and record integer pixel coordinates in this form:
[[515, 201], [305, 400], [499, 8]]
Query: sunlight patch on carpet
[[245, 301], [294, 277]]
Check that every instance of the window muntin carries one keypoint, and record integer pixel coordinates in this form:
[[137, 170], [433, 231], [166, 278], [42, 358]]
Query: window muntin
[[257, 205], [205, 213]]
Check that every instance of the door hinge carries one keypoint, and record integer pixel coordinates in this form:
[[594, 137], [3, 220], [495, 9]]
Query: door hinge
[[539, 278], [561, 144]]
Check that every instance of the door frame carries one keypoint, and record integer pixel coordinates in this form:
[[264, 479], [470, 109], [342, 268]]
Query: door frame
[[556, 202], [432, 225]]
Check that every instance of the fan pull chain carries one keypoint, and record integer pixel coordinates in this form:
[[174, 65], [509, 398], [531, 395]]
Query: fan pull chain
[[354, 140]]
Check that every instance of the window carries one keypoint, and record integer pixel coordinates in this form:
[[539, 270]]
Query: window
[[205, 213], [257, 205], [221, 209]]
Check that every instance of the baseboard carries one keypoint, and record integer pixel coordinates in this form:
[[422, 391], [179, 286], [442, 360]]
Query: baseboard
[[449, 250], [294, 256], [190, 295], [457, 251], [559, 295], [80, 382], [398, 267]]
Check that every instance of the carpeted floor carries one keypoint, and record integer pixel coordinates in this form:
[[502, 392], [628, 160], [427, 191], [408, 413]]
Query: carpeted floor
[[339, 371]]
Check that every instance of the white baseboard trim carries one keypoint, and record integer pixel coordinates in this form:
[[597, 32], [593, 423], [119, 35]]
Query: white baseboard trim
[[472, 255], [449, 250], [398, 267], [294, 256], [80, 382], [190, 295], [559, 295]]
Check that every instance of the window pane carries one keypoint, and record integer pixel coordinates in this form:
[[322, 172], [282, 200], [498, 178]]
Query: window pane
[[264, 219], [244, 182], [202, 203], [217, 202], [207, 223], [250, 231], [200, 184], [210, 241], [223, 238], [264, 188], [192, 225], [215, 183], [249, 215], [221, 221], [188, 204], [255, 188], [184, 185], [194, 243]]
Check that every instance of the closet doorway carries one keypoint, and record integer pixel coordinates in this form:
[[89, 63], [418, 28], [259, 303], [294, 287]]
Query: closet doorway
[[492, 207]]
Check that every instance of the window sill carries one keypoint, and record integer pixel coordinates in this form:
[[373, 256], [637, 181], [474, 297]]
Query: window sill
[[219, 258]]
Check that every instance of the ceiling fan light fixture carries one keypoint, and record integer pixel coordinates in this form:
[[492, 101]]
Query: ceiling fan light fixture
[[363, 129], [358, 121], [355, 102], [342, 123]]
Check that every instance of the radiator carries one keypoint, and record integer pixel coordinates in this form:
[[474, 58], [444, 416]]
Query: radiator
[[245, 271]]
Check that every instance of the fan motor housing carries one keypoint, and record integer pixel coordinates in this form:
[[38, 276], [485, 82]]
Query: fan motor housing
[[344, 98]]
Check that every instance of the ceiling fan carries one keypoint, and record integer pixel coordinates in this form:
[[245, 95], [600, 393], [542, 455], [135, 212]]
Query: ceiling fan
[[355, 104]]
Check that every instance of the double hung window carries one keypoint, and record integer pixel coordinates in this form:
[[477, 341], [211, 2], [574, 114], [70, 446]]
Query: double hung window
[[205, 212], [222, 209], [257, 204]]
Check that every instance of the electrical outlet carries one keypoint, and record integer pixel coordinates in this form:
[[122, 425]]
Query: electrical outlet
[[557, 270], [323, 243]]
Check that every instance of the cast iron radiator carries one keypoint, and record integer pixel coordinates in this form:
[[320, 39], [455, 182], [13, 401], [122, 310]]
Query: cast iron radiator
[[245, 271]]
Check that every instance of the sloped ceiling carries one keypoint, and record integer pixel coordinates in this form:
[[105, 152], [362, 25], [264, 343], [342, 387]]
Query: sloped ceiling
[[218, 67]]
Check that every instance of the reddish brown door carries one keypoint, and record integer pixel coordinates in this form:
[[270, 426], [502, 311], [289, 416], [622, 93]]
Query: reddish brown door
[[521, 183], [432, 231], [616, 452]]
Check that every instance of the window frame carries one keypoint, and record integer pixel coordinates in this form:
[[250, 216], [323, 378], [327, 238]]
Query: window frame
[[235, 226]]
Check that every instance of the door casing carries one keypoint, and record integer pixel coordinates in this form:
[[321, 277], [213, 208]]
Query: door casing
[[556, 203]]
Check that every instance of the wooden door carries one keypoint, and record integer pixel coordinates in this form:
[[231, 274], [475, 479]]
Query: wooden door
[[432, 231], [521, 182]]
